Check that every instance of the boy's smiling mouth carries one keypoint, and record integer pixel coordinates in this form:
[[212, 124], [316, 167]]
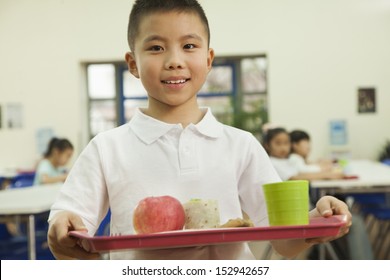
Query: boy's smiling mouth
[[179, 81]]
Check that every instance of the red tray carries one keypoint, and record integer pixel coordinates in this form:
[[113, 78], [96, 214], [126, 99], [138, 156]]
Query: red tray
[[318, 227]]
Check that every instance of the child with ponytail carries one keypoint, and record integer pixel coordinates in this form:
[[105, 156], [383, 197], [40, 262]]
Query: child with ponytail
[[51, 168]]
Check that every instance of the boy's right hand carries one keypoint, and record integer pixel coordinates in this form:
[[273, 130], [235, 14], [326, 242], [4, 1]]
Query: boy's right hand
[[61, 244]]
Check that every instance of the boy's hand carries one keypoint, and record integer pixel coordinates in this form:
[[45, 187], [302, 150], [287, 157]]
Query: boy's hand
[[326, 207], [63, 246]]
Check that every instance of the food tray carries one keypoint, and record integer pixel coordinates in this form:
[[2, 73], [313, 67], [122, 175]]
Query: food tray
[[318, 227]]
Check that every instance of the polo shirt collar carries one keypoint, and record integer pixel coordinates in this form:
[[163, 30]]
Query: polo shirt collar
[[149, 129], [209, 126]]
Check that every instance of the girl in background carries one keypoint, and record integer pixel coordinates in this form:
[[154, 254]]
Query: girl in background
[[51, 169]]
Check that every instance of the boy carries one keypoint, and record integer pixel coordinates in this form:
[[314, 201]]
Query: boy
[[172, 147]]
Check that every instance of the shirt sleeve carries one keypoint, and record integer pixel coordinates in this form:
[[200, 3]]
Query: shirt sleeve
[[258, 172], [84, 191]]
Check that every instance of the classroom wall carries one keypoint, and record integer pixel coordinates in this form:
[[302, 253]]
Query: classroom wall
[[319, 53]]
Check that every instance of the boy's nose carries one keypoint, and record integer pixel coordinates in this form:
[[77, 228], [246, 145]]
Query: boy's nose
[[173, 61], [174, 65]]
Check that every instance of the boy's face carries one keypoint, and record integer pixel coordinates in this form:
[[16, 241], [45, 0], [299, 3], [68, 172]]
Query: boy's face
[[171, 57]]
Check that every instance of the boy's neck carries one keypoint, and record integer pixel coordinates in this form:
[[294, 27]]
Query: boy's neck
[[175, 114]]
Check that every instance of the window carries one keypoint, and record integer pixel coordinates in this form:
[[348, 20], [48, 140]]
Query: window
[[253, 77], [235, 90], [102, 97]]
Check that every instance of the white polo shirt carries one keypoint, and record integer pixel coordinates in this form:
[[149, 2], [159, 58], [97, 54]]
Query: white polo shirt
[[147, 157]]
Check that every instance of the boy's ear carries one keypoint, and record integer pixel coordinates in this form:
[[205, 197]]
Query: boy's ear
[[210, 59], [131, 63]]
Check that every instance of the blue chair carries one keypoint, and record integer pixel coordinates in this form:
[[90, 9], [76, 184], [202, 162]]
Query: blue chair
[[23, 180], [379, 226], [386, 161], [104, 227], [12, 247], [370, 199], [16, 248], [376, 209]]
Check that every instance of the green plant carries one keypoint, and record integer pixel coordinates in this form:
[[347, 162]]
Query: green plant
[[385, 152], [252, 117]]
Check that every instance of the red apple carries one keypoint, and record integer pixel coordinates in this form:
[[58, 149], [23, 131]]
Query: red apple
[[156, 214]]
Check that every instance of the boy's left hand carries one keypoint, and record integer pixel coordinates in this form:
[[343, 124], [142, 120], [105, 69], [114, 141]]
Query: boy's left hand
[[326, 207]]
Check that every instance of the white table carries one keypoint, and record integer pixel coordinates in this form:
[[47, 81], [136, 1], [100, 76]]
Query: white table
[[373, 177], [26, 203]]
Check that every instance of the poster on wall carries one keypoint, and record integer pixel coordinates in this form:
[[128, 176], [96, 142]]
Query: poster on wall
[[14, 115], [366, 100], [338, 133]]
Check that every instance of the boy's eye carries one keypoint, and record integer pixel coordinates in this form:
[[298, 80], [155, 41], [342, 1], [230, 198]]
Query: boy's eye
[[156, 48], [189, 46]]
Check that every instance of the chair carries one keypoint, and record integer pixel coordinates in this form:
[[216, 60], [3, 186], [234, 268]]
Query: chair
[[386, 161], [376, 209], [104, 228], [12, 247], [23, 180], [16, 248], [378, 225]]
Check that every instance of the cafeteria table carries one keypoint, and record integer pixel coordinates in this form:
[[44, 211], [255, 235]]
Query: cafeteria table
[[25, 203], [371, 176]]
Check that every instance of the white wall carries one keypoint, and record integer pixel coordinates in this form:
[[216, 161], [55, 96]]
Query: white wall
[[319, 53], [43, 44]]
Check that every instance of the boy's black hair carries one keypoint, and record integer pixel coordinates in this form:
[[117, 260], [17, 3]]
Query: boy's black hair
[[271, 133], [298, 135], [141, 8]]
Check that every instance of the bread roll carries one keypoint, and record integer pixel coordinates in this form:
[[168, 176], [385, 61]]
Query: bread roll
[[201, 214]]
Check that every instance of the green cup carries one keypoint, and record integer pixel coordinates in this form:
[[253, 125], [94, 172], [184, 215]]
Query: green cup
[[287, 202]]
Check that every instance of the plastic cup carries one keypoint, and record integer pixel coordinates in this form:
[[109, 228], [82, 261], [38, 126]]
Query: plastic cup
[[287, 202]]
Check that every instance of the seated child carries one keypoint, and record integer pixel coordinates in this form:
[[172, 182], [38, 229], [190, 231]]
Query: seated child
[[171, 147], [278, 145], [300, 149], [51, 168]]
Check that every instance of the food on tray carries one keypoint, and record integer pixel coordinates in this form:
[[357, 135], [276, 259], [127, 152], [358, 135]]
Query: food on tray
[[237, 223], [157, 214], [201, 214]]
